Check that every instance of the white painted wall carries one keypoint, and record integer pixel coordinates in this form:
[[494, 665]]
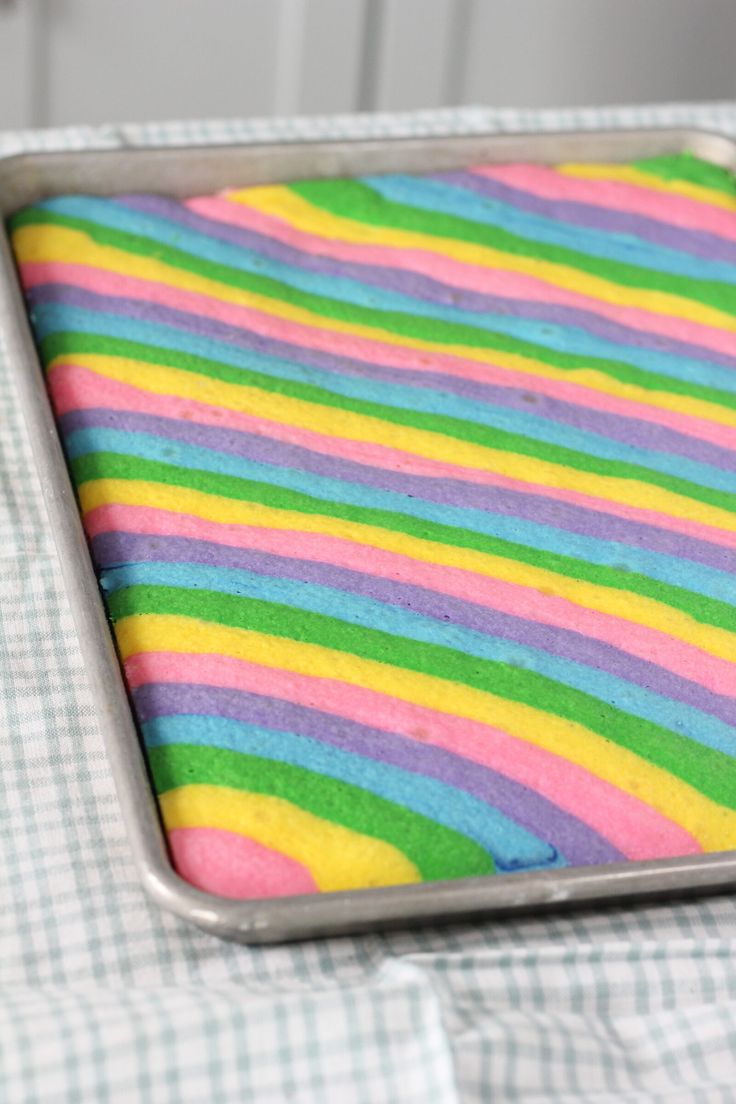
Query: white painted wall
[[67, 61], [17, 65], [568, 52]]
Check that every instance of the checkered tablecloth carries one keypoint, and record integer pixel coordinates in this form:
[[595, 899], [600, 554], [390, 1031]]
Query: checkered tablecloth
[[104, 998]]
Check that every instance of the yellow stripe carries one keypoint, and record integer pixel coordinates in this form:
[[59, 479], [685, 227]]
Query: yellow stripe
[[711, 824], [624, 174], [49, 245], [278, 201], [336, 857], [346, 425], [615, 603]]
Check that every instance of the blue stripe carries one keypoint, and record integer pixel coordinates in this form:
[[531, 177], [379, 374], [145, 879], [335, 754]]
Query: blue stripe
[[564, 339], [687, 575], [510, 845], [451, 199], [372, 614], [52, 318]]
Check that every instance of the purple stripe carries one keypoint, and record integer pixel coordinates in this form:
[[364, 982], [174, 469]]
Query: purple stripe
[[114, 549], [448, 492], [697, 242], [628, 431], [419, 286], [579, 843]]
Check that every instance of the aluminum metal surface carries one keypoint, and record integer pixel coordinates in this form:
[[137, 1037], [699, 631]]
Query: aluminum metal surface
[[25, 179]]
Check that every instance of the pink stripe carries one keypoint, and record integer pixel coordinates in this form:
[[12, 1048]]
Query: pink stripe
[[648, 644], [632, 826], [76, 388], [615, 195], [490, 281], [231, 865], [370, 351]]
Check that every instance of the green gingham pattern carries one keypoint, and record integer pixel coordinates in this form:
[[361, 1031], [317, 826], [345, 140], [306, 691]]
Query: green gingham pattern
[[105, 998]]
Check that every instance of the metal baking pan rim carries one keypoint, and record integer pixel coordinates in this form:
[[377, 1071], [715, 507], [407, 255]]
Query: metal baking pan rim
[[26, 177]]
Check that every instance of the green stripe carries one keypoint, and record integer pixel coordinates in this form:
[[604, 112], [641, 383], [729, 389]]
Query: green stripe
[[358, 202], [421, 328], [110, 465], [437, 852], [689, 168], [707, 770], [457, 428]]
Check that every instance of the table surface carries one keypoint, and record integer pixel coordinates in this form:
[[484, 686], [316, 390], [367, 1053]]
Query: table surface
[[105, 998]]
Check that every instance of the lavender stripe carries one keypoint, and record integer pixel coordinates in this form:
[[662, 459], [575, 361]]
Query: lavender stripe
[[629, 431], [697, 242], [580, 844], [116, 548], [420, 286], [449, 492]]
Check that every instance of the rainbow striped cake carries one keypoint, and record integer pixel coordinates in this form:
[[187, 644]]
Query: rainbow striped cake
[[413, 503]]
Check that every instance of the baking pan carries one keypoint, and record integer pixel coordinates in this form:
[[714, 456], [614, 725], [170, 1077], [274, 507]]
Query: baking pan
[[27, 178]]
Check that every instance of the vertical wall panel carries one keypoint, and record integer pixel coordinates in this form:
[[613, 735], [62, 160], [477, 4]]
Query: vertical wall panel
[[333, 56], [411, 55], [539, 53], [290, 31], [112, 61], [17, 68], [458, 51]]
